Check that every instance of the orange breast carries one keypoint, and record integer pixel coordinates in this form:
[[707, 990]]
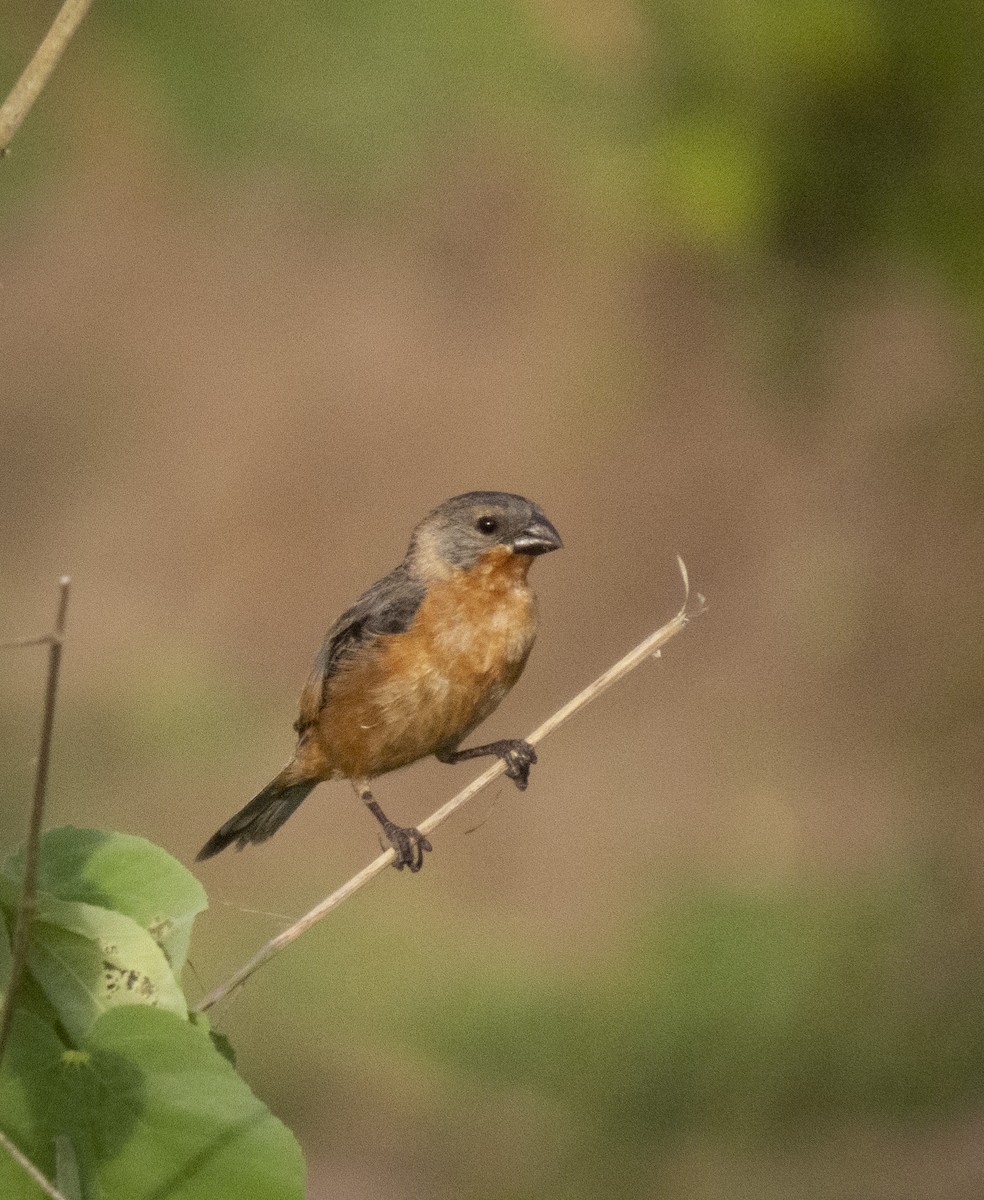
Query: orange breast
[[407, 695]]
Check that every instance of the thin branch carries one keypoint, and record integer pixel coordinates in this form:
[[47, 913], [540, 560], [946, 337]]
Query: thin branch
[[22, 1160], [28, 899], [38, 71], [648, 647], [19, 643]]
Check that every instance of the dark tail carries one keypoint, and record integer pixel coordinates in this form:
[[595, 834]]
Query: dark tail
[[261, 818]]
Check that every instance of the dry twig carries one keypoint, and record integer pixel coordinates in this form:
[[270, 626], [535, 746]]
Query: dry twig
[[43, 1182], [43, 639], [649, 646], [28, 898], [27, 905], [38, 71]]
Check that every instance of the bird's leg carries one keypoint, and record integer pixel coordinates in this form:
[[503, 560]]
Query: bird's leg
[[518, 756], [409, 843]]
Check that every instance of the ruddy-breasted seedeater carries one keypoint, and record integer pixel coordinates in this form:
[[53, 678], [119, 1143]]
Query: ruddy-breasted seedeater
[[415, 665]]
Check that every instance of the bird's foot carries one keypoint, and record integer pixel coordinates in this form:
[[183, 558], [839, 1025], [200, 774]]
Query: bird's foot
[[409, 845], [518, 756]]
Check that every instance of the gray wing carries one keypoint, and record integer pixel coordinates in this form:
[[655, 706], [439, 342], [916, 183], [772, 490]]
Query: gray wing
[[389, 606]]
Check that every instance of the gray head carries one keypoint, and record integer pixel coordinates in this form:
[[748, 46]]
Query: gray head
[[463, 528]]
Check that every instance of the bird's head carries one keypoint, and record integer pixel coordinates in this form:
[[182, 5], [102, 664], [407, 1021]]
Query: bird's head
[[463, 530]]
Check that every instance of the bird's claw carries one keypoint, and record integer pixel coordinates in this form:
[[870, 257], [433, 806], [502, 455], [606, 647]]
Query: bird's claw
[[518, 756], [409, 844]]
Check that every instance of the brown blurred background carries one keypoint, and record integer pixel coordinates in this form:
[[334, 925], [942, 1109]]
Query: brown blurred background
[[700, 278]]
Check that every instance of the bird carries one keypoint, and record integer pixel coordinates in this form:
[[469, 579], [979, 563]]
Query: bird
[[414, 666]]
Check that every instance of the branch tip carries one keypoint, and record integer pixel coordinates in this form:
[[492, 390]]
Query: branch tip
[[684, 575]]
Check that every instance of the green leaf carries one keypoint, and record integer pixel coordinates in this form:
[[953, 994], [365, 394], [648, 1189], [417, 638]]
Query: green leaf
[[195, 1131], [219, 1040], [121, 872], [88, 960], [29, 1071], [145, 1108], [140, 1104]]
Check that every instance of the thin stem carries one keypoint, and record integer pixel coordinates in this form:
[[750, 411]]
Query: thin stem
[[28, 899], [43, 1182], [647, 647], [38, 71]]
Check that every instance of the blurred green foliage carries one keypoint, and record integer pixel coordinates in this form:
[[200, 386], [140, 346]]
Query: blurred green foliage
[[751, 1011], [754, 1017], [815, 131], [351, 95], [822, 128]]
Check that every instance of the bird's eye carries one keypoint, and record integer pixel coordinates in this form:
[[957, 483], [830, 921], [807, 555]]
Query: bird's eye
[[486, 524]]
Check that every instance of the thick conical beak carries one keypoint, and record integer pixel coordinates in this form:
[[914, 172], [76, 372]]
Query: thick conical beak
[[539, 537]]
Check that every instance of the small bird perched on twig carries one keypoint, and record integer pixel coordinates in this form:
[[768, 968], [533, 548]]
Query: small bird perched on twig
[[415, 665]]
